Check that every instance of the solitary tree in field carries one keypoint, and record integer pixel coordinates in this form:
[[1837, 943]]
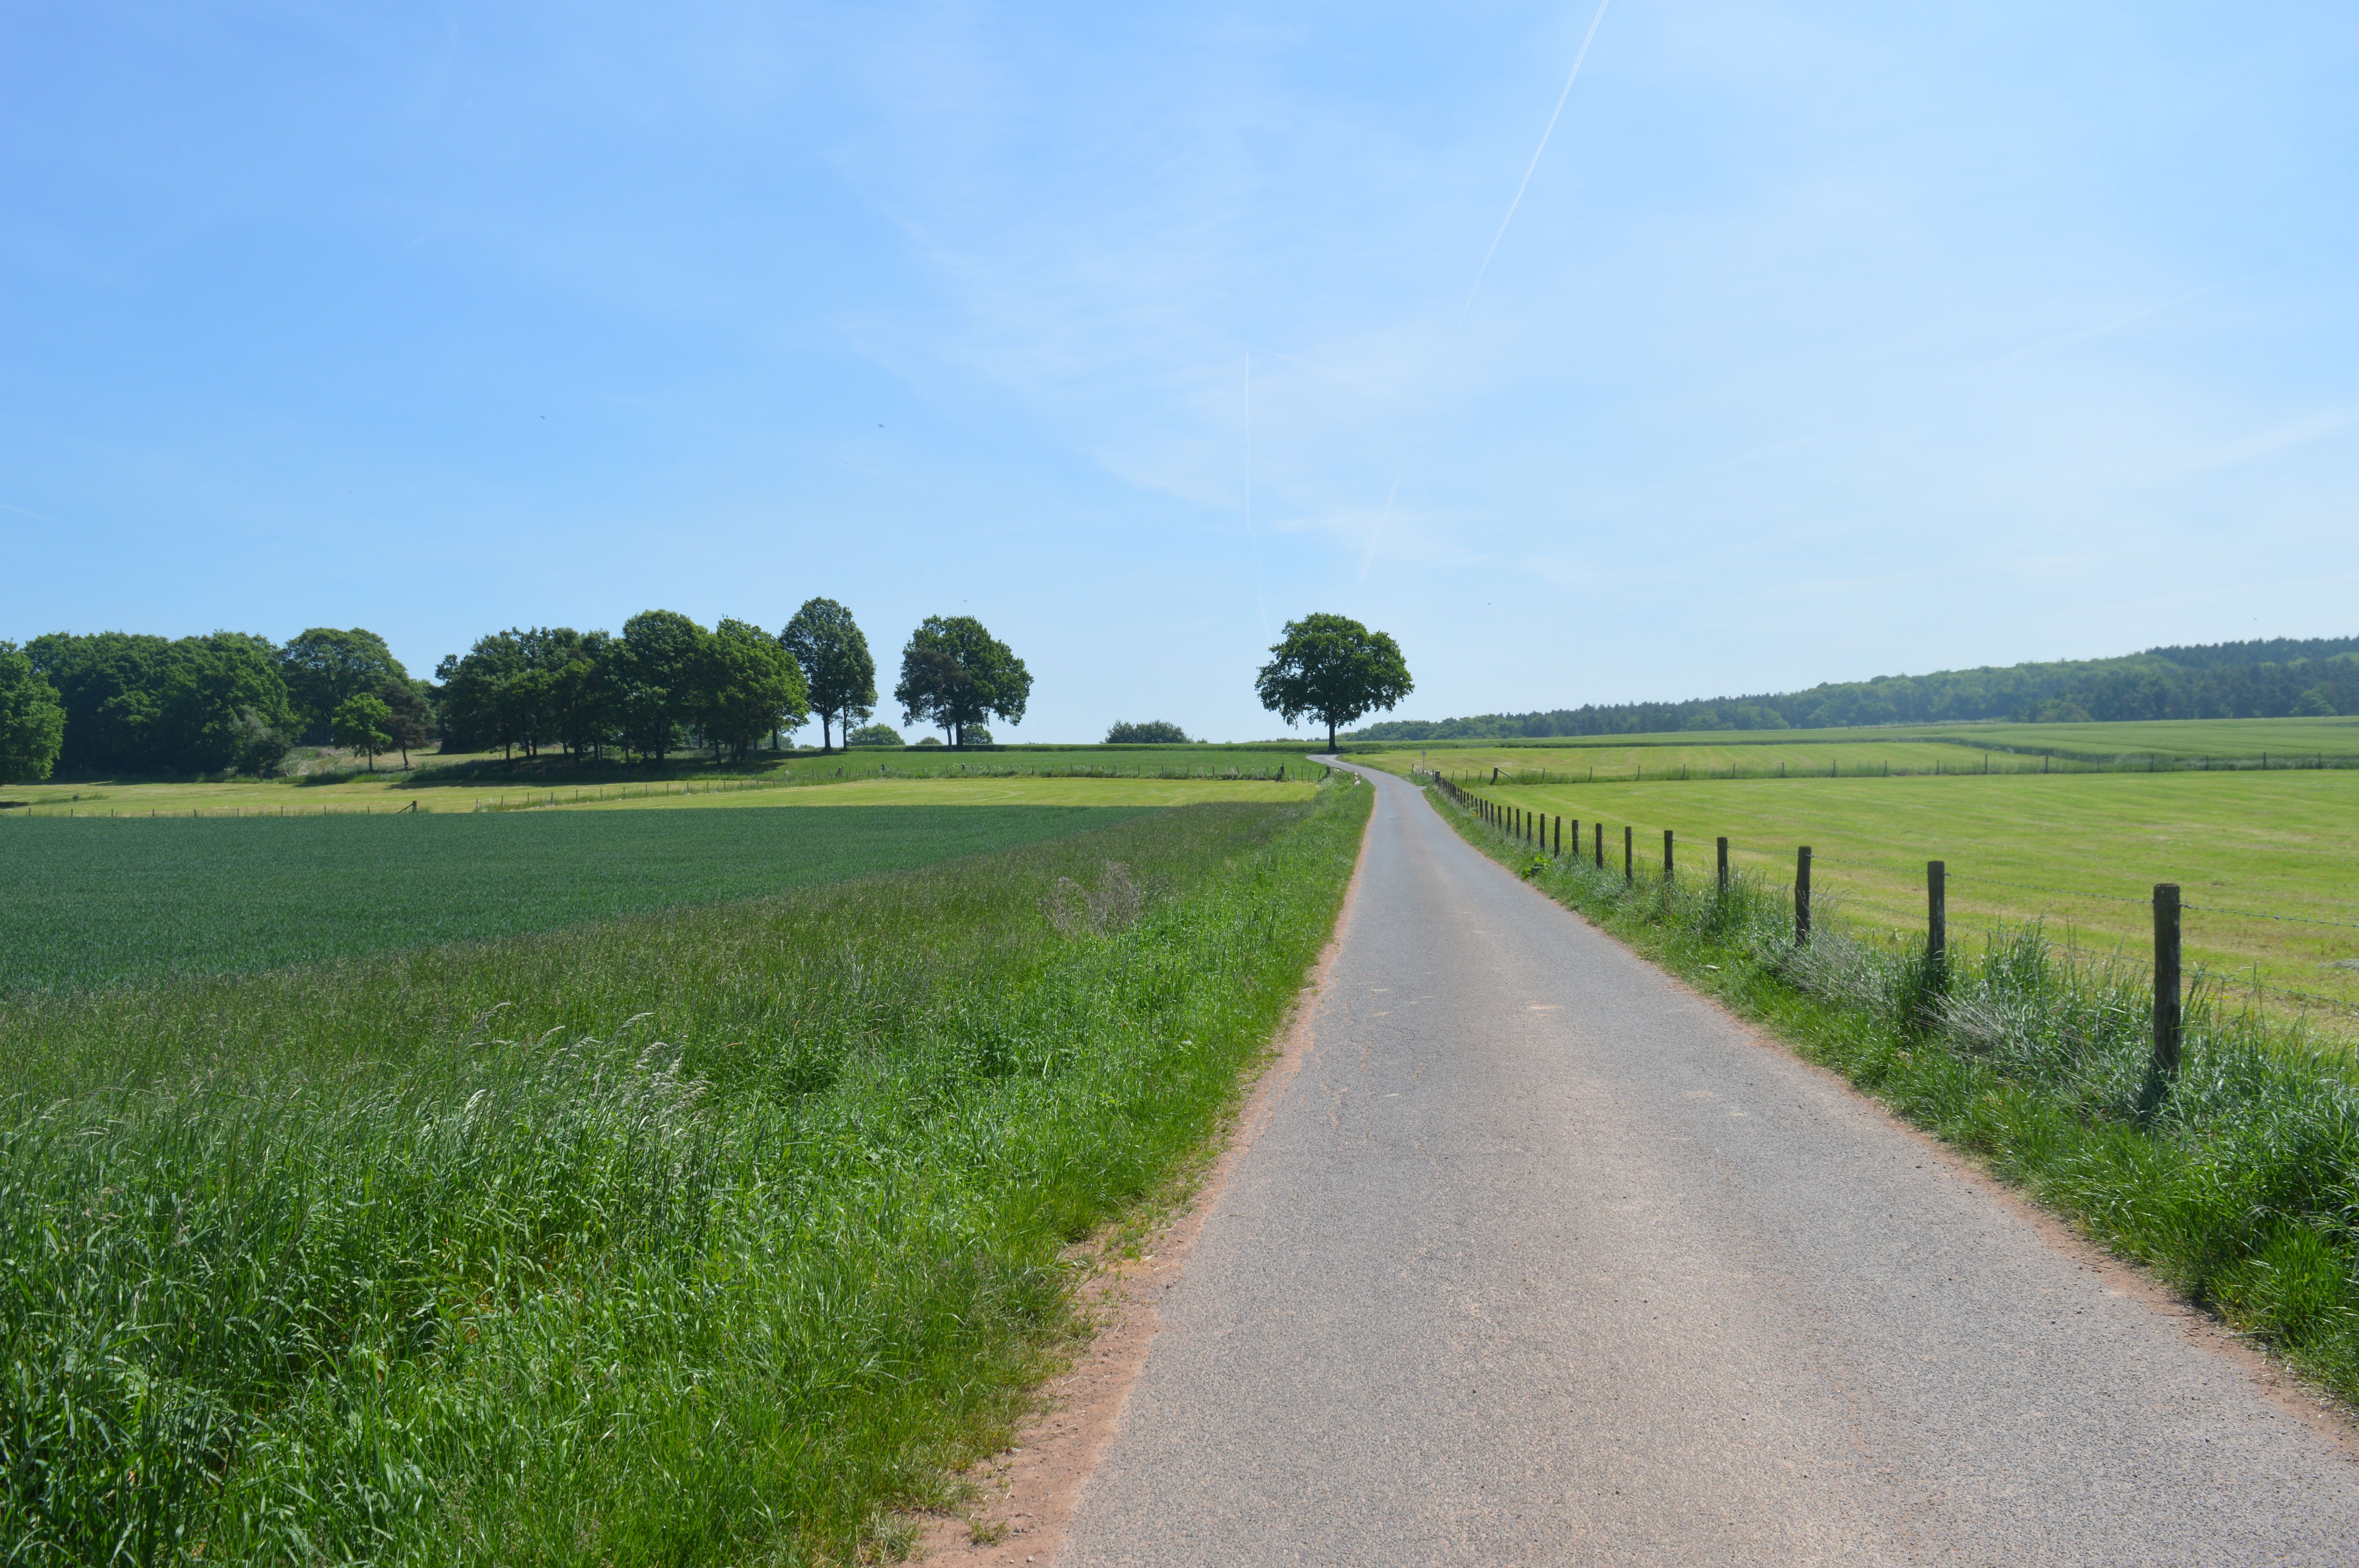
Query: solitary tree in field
[[32, 720], [955, 674], [362, 725], [838, 675], [1334, 670]]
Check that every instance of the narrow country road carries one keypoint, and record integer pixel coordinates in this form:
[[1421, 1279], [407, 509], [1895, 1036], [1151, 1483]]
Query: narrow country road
[[1542, 1259]]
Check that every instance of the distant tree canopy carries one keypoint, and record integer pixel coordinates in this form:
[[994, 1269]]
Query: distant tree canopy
[[839, 675], [752, 688], [1153, 733], [2271, 679], [955, 675], [874, 735], [116, 703], [32, 719], [323, 666], [665, 681], [1334, 669], [141, 705]]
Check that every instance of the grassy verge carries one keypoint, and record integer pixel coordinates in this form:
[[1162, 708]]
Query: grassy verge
[[709, 1235], [2239, 1185]]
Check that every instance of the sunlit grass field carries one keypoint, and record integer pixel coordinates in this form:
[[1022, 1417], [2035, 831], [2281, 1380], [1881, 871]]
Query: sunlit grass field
[[2296, 742], [93, 901], [714, 1235], [1175, 775], [2268, 863], [1700, 759]]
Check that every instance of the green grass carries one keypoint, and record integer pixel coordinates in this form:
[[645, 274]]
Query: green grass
[[492, 783], [2263, 860], [713, 1235], [2191, 745], [2235, 1180], [93, 901]]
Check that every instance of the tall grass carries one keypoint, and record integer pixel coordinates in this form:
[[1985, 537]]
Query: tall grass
[[712, 1236], [2237, 1181]]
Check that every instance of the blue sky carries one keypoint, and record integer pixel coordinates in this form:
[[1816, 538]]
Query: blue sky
[[1826, 341]]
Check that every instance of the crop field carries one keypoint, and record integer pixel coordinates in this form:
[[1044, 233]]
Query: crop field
[[1186, 773], [2266, 861], [712, 1235], [95, 902]]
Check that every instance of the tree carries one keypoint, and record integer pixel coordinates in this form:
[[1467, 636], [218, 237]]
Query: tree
[[873, 735], [323, 666], [751, 688], [32, 719], [412, 722], [1334, 670], [954, 674], [839, 677], [1153, 733], [661, 665], [362, 722]]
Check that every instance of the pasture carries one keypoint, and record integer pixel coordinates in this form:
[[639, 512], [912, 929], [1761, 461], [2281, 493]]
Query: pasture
[[95, 902], [709, 1235], [2266, 861], [1906, 748]]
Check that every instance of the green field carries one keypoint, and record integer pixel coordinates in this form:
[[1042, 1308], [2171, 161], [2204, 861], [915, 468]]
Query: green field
[[718, 1235], [2190, 742], [98, 900], [2266, 861]]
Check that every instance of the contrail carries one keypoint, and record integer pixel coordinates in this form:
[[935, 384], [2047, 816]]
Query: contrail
[[1385, 517], [1587, 38]]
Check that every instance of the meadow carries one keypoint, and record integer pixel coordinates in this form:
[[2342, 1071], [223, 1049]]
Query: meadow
[[95, 902], [714, 1235], [1158, 774], [2190, 745], [2265, 860]]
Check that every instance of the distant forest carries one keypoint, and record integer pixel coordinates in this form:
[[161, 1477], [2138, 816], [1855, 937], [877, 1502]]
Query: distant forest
[[2274, 679]]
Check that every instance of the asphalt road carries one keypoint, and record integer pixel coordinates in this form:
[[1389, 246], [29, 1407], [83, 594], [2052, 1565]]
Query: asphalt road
[[1542, 1259]]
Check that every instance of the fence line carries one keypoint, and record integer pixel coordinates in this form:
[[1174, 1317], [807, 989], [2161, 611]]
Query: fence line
[[2164, 901]]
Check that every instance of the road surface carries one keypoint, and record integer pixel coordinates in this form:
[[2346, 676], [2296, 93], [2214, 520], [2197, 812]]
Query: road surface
[[1543, 1258]]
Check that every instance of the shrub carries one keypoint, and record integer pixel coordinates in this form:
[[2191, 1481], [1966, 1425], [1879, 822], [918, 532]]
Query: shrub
[[1153, 733]]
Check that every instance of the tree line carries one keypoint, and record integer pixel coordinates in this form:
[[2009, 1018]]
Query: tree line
[[123, 704], [2276, 678]]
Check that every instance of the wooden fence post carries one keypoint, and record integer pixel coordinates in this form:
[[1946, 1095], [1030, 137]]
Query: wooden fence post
[[1937, 915], [2166, 1016], [1802, 895], [1629, 865], [1598, 837], [1724, 866], [1667, 856]]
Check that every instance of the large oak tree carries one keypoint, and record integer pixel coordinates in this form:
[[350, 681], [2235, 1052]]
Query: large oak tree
[[954, 674], [1334, 670]]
